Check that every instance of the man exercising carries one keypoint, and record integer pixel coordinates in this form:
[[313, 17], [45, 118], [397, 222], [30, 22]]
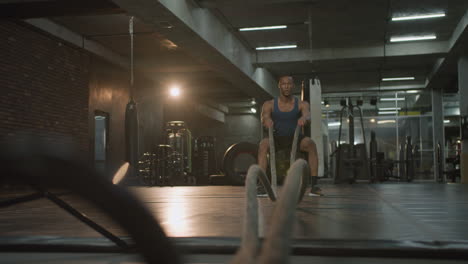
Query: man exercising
[[284, 113]]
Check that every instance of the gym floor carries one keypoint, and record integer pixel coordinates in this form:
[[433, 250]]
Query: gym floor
[[390, 211]]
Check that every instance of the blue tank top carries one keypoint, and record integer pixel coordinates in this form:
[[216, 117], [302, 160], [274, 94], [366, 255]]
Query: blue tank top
[[284, 123]]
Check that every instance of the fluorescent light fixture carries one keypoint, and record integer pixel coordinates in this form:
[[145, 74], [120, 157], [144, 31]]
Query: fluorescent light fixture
[[386, 122], [263, 28], [277, 47], [446, 121], [412, 38], [418, 17], [397, 79], [388, 112], [253, 110], [333, 124], [392, 99], [412, 91], [389, 108]]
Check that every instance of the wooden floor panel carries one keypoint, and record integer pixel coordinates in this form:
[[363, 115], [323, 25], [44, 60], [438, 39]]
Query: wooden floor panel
[[416, 211]]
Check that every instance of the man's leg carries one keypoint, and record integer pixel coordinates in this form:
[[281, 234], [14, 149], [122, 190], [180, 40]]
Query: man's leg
[[309, 146]]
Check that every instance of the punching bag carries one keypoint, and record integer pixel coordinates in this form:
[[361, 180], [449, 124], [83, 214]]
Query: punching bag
[[131, 137]]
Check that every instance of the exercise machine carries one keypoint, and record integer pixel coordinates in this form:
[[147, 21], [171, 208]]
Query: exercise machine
[[351, 159]]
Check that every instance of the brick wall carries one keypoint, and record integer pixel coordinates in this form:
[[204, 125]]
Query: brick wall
[[44, 86]]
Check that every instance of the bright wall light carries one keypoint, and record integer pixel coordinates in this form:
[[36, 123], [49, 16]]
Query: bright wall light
[[412, 38], [398, 79], [174, 91], [333, 124], [389, 108], [425, 16], [263, 28], [277, 47], [392, 99], [253, 110], [388, 112], [386, 122]]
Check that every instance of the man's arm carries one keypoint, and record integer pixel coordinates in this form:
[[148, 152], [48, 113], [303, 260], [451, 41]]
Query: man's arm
[[305, 110], [267, 108]]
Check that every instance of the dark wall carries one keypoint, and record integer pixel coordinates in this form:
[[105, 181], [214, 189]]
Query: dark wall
[[51, 89], [235, 129], [44, 87], [109, 93]]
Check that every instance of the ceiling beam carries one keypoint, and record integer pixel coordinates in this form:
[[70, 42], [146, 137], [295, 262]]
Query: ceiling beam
[[391, 50], [37, 9], [199, 33], [230, 3], [444, 70], [370, 88], [78, 40]]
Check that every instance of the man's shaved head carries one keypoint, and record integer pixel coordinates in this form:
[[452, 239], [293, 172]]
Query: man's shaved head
[[285, 78]]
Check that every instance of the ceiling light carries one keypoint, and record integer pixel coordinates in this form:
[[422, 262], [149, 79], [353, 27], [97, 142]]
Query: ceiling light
[[333, 124], [446, 121], [412, 91], [418, 17], [412, 38], [253, 110], [397, 79], [386, 122], [388, 112], [372, 120], [253, 102], [392, 99], [389, 108], [174, 91], [262, 28], [277, 47]]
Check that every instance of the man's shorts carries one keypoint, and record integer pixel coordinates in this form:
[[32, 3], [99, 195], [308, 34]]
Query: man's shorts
[[285, 142]]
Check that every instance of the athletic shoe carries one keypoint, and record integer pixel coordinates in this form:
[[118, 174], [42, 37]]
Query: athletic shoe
[[261, 192], [315, 191]]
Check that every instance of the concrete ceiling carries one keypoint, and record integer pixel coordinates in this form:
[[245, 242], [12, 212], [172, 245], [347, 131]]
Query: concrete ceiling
[[197, 43]]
